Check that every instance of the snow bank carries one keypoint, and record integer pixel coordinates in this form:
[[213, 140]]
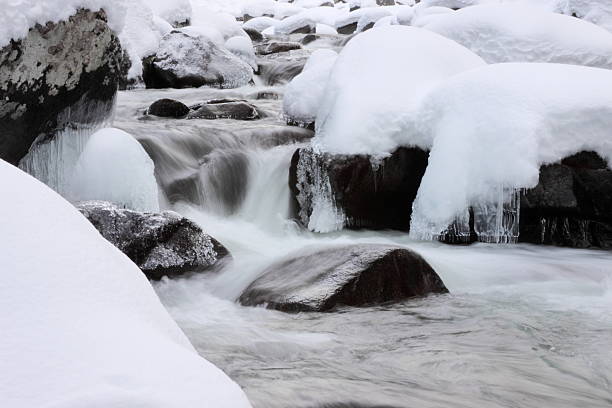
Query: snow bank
[[493, 127], [115, 167], [304, 93], [518, 33], [377, 83], [80, 324]]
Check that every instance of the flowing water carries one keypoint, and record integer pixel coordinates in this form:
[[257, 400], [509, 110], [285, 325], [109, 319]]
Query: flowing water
[[524, 326]]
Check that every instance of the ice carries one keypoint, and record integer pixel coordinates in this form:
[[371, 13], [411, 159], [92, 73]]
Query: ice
[[520, 33], [304, 93], [81, 326], [115, 167]]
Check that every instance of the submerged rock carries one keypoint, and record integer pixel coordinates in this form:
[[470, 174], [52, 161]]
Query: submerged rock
[[374, 195], [161, 244], [168, 108], [571, 205], [225, 109], [184, 61], [276, 47], [356, 275], [61, 74]]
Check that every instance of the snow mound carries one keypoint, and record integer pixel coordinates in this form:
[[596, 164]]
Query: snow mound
[[377, 83], [493, 127], [519, 33], [81, 326], [115, 167], [371, 16], [174, 12], [242, 47], [325, 29], [309, 18], [304, 93], [260, 23]]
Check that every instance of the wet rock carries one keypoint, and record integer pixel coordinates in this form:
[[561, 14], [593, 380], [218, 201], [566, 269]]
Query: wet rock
[[168, 108], [309, 38], [276, 47], [385, 2], [347, 29], [161, 244], [278, 73], [253, 34], [373, 195], [61, 74], [184, 61], [318, 280], [225, 109], [571, 205]]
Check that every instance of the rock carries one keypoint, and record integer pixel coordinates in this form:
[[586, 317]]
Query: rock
[[225, 109], [253, 34], [374, 196], [273, 95], [347, 29], [309, 38], [276, 47], [318, 280], [60, 75], [571, 205], [305, 29], [385, 2], [277, 73], [161, 244], [168, 108], [184, 61]]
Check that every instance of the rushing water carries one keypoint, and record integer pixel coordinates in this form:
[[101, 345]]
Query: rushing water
[[524, 326]]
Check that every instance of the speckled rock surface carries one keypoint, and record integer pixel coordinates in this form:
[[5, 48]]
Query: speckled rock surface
[[161, 244], [60, 75], [317, 280]]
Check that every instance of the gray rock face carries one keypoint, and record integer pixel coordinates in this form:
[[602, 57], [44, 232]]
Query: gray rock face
[[225, 109], [355, 275], [59, 75], [184, 61], [164, 244]]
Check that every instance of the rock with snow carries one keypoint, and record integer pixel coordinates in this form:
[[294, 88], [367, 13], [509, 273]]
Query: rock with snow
[[260, 23], [60, 75], [519, 33], [242, 47], [161, 244], [82, 315], [355, 191], [318, 280], [225, 109], [570, 205], [253, 34], [188, 60], [275, 47], [168, 108]]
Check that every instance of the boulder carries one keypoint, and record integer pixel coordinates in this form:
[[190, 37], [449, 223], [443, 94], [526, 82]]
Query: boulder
[[280, 72], [347, 29], [60, 75], [184, 61], [276, 47], [168, 108], [385, 2], [161, 244], [253, 34], [571, 205], [318, 280], [373, 195], [224, 109]]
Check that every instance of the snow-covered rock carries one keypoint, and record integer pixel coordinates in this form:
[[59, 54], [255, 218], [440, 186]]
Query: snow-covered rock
[[60, 75], [115, 167], [161, 244], [81, 325], [307, 20], [304, 93], [242, 47], [261, 23], [319, 279], [176, 12], [188, 60], [519, 33]]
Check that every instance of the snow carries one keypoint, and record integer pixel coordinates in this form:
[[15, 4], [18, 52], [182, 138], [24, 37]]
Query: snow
[[304, 93], [376, 85], [519, 33], [242, 47], [81, 326], [261, 23], [371, 16], [309, 17], [493, 127], [325, 29], [176, 11], [115, 167]]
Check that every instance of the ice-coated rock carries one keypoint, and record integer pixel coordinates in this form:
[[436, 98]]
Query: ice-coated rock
[[317, 280], [168, 108], [187, 60], [60, 75], [161, 244], [224, 109]]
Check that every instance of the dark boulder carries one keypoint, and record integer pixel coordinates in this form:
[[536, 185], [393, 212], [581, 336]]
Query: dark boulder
[[317, 280], [309, 38], [60, 75], [369, 194], [168, 108], [347, 29], [185, 61], [161, 244], [225, 109], [253, 34], [571, 205], [385, 2], [276, 47]]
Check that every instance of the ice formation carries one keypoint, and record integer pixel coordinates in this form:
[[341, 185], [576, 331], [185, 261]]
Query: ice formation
[[115, 167], [81, 325], [519, 33]]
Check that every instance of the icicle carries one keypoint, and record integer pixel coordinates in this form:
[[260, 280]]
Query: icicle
[[498, 220]]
